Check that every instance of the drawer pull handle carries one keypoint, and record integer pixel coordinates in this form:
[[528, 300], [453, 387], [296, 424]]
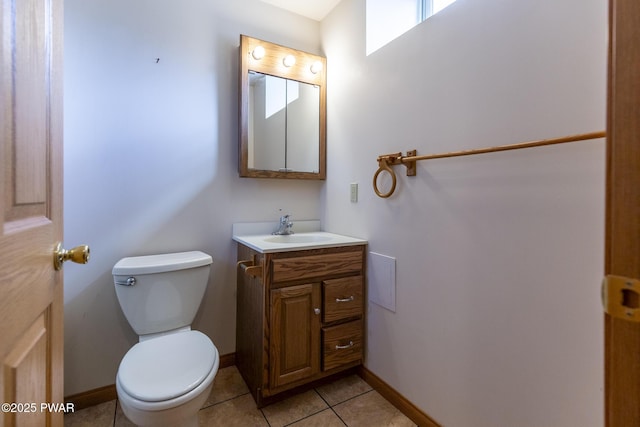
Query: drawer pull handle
[[345, 299], [342, 347]]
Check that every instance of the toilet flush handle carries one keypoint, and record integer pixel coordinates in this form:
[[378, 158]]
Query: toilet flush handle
[[129, 282]]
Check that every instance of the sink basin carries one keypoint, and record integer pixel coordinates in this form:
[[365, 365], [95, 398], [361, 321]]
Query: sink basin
[[297, 238], [301, 240]]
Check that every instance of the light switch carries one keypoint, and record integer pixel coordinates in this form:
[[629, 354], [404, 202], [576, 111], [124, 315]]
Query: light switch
[[354, 192]]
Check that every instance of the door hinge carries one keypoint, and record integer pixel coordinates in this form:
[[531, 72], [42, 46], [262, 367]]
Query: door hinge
[[621, 297]]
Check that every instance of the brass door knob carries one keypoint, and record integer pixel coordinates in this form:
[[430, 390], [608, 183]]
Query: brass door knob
[[79, 254]]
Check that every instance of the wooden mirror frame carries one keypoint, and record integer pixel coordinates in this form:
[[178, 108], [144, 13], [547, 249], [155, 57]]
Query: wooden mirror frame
[[272, 64]]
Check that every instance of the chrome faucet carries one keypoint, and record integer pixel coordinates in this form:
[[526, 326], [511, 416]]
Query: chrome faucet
[[285, 227]]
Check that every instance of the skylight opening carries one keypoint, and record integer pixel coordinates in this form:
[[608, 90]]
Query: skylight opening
[[438, 5], [389, 19]]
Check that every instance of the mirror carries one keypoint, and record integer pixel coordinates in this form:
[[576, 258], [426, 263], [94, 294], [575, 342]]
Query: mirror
[[282, 112], [284, 124]]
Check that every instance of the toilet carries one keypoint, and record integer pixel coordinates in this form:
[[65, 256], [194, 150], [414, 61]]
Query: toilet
[[166, 377]]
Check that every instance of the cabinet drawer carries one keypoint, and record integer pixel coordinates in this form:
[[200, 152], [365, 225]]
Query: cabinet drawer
[[316, 266], [341, 344], [342, 298]]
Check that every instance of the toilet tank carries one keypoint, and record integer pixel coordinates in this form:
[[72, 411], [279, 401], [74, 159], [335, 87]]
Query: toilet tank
[[158, 293]]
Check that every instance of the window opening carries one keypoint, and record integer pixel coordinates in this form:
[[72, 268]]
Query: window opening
[[389, 19]]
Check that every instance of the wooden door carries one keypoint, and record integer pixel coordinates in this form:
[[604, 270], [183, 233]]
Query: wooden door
[[295, 333], [31, 324], [622, 338]]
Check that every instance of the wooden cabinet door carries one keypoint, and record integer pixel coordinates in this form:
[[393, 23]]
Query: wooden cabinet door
[[295, 333], [31, 301]]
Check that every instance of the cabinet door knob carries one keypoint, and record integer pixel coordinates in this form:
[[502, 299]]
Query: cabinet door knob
[[316, 310]]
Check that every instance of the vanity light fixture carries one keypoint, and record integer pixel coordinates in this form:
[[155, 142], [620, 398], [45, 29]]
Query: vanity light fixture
[[258, 53], [316, 67], [289, 61]]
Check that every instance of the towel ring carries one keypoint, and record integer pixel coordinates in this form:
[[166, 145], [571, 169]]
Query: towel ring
[[384, 166]]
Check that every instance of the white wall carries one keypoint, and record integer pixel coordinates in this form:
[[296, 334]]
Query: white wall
[[151, 155], [499, 257]]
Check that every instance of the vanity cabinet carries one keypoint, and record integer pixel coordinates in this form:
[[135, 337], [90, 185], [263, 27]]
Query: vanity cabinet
[[299, 316]]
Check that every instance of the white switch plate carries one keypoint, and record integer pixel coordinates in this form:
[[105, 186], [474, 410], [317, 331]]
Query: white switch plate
[[354, 192]]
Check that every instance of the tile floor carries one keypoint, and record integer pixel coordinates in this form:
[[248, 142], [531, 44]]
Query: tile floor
[[346, 402]]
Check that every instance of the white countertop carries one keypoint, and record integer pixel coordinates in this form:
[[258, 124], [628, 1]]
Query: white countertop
[[307, 235]]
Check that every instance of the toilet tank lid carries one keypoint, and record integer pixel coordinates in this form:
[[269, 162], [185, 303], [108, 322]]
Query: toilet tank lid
[[161, 263]]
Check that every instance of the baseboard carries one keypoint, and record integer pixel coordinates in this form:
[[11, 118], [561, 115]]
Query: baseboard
[[108, 392], [227, 360], [92, 397], [399, 401]]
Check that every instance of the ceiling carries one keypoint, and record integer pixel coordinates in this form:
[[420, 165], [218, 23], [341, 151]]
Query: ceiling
[[314, 9]]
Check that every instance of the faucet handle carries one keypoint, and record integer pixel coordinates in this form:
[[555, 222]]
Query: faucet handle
[[285, 226]]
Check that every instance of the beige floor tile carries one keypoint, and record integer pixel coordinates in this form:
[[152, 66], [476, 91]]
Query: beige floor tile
[[227, 384], [343, 389], [231, 405], [121, 419], [238, 412], [294, 408], [94, 416], [371, 410], [326, 418]]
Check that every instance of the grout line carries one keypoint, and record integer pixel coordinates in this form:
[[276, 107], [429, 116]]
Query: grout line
[[344, 401], [223, 401], [331, 407], [339, 417], [265, 418], [306, 416], [339, 403], [315, 413], [353, 397], [319, 394]]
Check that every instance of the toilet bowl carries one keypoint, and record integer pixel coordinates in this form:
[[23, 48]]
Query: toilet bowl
[[167, 391], [166, 377]]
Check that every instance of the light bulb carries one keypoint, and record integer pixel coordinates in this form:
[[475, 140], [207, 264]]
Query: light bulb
[[258, 52], [289, 61], [316, 67]]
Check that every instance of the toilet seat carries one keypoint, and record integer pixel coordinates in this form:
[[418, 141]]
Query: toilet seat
[[167, 367]]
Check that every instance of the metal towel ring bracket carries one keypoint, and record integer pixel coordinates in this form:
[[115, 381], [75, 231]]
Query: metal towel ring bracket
[[384, 164]]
